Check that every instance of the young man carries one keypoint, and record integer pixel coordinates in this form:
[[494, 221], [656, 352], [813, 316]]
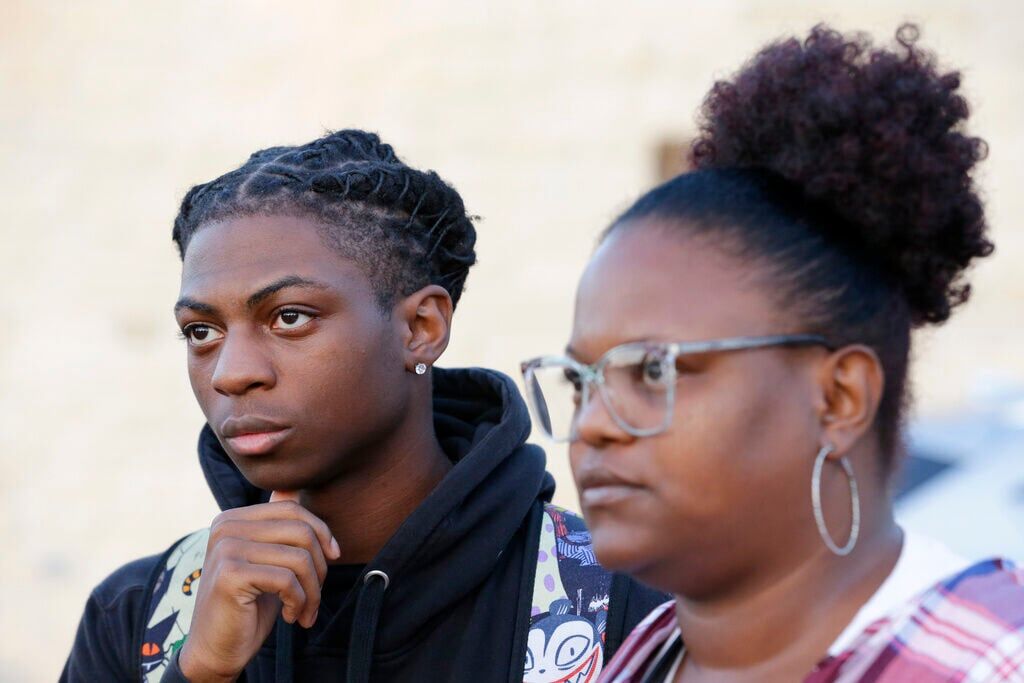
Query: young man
[[409, 535]]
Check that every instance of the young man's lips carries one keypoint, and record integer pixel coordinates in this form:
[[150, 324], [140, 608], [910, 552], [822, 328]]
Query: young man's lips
[[258, 443]]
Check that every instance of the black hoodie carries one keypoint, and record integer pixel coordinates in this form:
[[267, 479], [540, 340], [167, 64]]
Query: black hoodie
[[461, 568]]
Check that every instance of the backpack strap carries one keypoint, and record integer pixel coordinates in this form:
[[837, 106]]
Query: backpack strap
[[570, 602], [570, 599], [171, 598]]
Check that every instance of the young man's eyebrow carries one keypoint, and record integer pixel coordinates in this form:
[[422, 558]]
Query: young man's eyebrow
[[192, 304], [283, 283], [255, 299]]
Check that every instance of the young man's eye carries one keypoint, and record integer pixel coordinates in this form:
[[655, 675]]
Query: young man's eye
[[199, 334], [290, 319]]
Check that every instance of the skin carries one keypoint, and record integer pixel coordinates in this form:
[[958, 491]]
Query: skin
[[717, 509], [284, 328]]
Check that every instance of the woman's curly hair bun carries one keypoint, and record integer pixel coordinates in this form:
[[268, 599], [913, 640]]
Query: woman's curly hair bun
[[875, 137]]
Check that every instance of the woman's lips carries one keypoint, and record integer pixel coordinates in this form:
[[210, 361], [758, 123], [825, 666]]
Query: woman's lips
[[600, 487], [606, 494], [258, 443]]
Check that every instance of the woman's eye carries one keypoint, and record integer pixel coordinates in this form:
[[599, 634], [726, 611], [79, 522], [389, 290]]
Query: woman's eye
[[201, 335], [290, 320], [655, 372], [573, 378]]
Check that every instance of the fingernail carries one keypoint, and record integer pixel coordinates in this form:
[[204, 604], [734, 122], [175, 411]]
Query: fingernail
[[335, 548], [277, 496], [315, 615]]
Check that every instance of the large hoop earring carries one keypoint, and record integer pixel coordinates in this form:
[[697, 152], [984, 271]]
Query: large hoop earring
[[819, 516]]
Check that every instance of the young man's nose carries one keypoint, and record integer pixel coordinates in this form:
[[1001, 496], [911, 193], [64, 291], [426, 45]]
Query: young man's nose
[[241, 366]]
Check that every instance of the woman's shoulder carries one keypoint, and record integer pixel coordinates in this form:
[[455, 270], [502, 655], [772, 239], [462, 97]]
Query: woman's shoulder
[[986, 599], [968, 626], [995, 571], [643, 645]]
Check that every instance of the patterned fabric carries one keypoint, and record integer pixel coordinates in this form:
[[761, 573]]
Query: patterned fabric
[[968, 628], [565, 643], [172, 599], [570, 604]]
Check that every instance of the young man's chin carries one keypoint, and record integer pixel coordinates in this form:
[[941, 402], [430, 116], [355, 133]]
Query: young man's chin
[[274, 476]]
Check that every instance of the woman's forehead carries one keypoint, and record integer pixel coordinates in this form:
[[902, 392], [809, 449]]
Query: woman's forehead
[[647, 283]]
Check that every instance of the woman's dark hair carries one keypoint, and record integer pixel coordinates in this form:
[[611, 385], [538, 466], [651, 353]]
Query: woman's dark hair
[[843, 171], [407, 228]]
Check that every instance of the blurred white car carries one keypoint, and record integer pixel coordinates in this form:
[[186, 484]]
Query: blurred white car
[[963, 482]]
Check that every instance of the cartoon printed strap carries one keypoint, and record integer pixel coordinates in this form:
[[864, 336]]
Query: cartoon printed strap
[[172, 599], [570, 604]]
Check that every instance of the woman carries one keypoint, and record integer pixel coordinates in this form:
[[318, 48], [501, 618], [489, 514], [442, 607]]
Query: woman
[[317, 291], [742, 336]]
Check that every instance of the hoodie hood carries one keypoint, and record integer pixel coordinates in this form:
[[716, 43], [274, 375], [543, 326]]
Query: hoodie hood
[[454, 539]]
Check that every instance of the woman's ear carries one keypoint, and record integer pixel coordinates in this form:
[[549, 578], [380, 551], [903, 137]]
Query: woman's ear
[[852, 381], [425, 317]]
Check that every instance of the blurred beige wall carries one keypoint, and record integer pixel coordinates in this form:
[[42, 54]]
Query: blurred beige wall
[[547, 117]]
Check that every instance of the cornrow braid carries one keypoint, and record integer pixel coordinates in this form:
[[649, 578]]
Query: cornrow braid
[[407, 228]]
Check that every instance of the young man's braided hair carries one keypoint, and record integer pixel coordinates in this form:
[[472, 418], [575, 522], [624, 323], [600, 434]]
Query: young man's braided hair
[[406, 228]]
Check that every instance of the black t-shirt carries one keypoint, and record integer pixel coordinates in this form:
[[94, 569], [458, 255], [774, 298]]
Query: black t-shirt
[[336, 591], [341, 578]]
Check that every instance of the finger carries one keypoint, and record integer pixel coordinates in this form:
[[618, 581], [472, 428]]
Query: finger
[[284, 532], [293, 496], [278, 496], [281, 511], [299, 561], [253, 580]]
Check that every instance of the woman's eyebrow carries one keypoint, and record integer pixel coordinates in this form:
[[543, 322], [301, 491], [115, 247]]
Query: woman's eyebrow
[[284, 283]]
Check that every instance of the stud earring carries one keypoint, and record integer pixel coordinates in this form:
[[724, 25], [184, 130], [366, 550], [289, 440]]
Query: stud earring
[[421, 368]]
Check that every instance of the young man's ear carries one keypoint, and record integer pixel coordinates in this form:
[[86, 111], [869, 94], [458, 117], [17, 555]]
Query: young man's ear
[[425, 317]]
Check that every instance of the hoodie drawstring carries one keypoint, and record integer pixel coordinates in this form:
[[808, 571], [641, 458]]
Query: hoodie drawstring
[[360, 645], [284, 653], [364, 625]]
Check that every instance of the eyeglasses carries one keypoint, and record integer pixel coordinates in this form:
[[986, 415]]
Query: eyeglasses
[[636, 382]]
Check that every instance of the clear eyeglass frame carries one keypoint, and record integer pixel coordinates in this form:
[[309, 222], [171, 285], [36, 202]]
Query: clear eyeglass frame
[[634, 353]]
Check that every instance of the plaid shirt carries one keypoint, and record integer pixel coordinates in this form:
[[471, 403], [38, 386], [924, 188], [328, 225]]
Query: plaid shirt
[[968, 628]]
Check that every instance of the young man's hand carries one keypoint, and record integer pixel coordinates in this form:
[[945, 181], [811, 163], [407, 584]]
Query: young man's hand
[[261, 561]]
